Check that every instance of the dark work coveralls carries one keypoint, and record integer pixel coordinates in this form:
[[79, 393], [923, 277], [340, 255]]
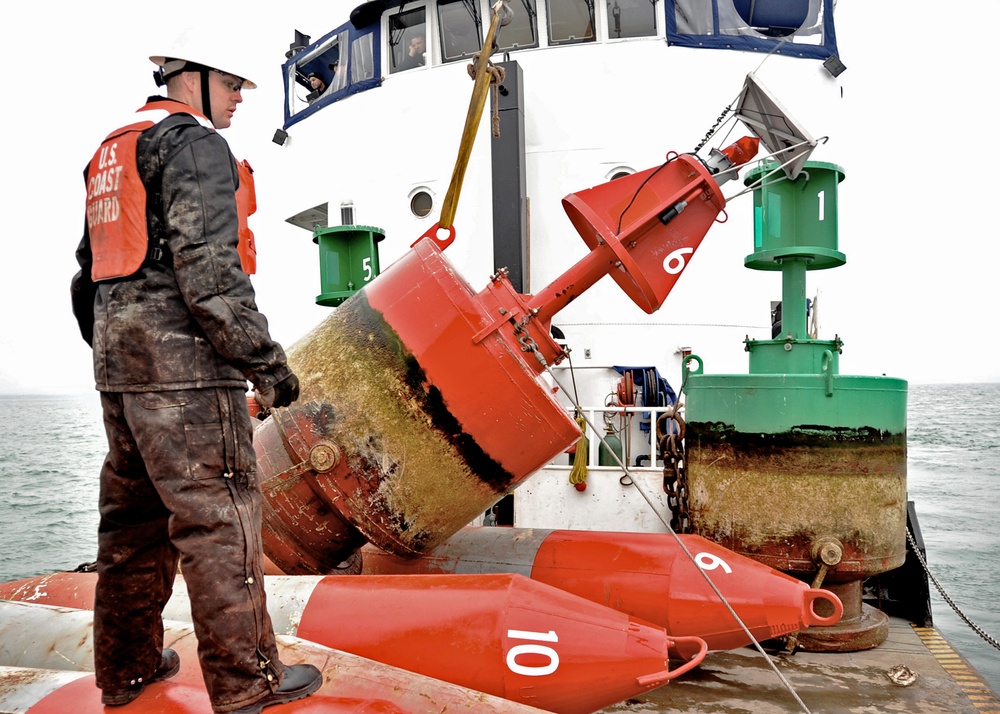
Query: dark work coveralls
[[174, 345]]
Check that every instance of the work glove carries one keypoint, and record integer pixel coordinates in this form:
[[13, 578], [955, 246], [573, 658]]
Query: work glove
[[281, 394]]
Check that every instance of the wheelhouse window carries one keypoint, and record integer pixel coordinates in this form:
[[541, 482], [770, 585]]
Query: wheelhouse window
[[570, 21], [522, 31], [321, 70], [460, 28], [344, 62], [631, 18], [408, 40]]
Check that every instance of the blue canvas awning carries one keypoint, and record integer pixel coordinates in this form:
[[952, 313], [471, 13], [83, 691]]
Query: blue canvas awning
[[796, 28]]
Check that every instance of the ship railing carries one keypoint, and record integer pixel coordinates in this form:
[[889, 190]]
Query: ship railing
[[633, 426]]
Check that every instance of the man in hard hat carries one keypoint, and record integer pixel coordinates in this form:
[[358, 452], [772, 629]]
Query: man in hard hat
[[176, 335]]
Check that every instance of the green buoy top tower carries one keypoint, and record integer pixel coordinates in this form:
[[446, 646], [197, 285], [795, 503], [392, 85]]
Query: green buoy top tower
[[795, 464], [348, 260]]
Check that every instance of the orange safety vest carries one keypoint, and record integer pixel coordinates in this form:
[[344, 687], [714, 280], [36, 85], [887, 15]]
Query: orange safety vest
[[246, 206], [116, 200]]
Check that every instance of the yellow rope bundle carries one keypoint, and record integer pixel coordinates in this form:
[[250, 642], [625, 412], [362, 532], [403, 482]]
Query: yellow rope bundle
[[578, 474]]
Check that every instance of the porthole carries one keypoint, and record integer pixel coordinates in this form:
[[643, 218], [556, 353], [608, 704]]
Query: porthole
[[421, 203], [619, 172]]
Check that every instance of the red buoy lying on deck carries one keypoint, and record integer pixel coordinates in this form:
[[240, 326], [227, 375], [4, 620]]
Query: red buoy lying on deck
[[646, 575], [52, 691], [502, 634], [63, 589], [42, 637]]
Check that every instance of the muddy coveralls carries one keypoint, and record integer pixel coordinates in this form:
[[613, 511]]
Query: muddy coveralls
[[174, 345]]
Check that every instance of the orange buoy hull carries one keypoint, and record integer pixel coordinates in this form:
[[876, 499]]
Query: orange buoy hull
[[391, 440], [646, 575], [420, 401], [43, 637], [49, 691], [502, 634]]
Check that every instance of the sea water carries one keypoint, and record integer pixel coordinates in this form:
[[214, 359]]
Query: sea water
[[52, 449], [953, 476]]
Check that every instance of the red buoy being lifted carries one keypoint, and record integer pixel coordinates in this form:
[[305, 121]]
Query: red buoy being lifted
[[391, 441]]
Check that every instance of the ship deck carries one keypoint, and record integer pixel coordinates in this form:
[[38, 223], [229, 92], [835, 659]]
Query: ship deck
[[741, 681]]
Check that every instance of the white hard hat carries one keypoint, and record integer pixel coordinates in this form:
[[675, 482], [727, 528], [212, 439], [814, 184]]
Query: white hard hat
[[187, 50]]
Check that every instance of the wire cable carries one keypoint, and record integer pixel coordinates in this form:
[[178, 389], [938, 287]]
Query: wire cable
[[683, 547]]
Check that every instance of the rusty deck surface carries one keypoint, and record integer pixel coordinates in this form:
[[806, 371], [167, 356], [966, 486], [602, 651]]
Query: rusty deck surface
[[741, 682]]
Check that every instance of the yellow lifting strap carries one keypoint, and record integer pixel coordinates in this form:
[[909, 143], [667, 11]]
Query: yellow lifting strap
[[484, 76]]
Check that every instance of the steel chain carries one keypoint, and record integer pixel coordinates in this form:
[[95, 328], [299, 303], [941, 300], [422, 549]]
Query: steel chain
[[975, 628], [711, 132], [670, 428]]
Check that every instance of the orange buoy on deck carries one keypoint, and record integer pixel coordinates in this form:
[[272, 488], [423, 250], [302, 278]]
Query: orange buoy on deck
[[62, 589], [519, 639], [646, 575], [50, 691], [43, 637], [503, 634]]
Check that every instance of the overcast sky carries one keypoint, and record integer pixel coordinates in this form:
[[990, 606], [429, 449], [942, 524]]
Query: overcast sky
[[920, 237]]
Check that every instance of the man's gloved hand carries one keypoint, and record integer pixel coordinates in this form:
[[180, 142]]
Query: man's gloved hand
[[281, 394]]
